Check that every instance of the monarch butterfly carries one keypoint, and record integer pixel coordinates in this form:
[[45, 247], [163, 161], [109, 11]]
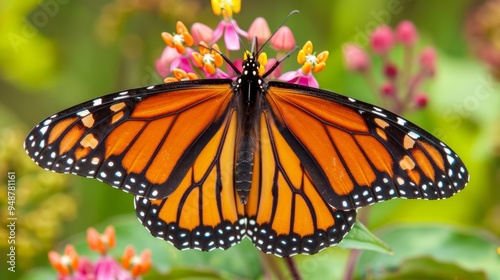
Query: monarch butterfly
[[212, 161]]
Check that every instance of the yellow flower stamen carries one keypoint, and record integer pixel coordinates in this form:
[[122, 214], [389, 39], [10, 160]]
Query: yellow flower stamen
[[226, 7], [208, 58], [179, 40], [311, 61]]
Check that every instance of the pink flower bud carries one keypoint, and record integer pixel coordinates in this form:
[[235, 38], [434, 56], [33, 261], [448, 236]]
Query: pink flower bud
[[428, 59], [406, 33], [283, 40], [390, 71], [387, 89], [420, 100], [382, 39], [260, 29], [355, 57], [201, 32]]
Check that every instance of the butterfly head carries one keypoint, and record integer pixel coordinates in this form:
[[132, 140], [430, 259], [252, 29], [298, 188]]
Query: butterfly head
[[253, 64]]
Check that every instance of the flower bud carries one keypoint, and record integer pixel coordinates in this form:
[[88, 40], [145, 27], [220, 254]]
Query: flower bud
[[390, 71], [387, 89], [420, 100], [382, 40], [283, 40], [356, 59], [201, 32], [428, 59], [260, 29], [406, 33]]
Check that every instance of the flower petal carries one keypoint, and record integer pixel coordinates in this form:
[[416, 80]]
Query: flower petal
[[231, 39]]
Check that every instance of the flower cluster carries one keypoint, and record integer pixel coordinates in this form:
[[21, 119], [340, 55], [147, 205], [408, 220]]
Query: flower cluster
[[402, 84], [70, 266], [185, 63]]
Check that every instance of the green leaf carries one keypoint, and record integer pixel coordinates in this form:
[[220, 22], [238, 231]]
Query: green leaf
[[469, 249], [193, 273], [361, 238], [429, 268]]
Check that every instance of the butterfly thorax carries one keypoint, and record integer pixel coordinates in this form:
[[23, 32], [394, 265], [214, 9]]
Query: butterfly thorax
[[248, 87]]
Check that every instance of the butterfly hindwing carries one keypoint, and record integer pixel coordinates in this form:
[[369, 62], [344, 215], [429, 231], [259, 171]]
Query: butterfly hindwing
[[286, 213], [204, 211], [141, 140], [359, 154]]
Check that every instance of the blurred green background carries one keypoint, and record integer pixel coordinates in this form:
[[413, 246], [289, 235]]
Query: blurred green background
[[57, 53]]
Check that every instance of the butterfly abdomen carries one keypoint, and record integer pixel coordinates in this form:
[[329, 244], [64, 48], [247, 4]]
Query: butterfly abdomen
[[243, 167]]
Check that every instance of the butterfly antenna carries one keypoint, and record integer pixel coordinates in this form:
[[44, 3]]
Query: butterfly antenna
[[279, 26], [278, 62]]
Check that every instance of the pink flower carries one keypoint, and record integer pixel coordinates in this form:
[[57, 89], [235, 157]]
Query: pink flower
[[428, 59], [276, 72], [230, 30], [300, 78], [108, 268], [239, 65], [406, 33], [170, 59], [85, 270], [355, 57], [201, 32], [259, 29], [382, 40]]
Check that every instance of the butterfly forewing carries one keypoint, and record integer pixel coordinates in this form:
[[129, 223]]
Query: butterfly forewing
[[358, 154], [142, 140]]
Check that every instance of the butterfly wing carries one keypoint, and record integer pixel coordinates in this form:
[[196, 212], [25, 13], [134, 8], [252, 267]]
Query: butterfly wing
[[358, 154], [286, 212], [204, 211], [142, 141]]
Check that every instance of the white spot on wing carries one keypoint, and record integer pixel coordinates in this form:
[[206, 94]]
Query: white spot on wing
[[413, 135], [42, 130], [97, 102], [120, 97], [380, 114], [83, 113], [401, 121], [451, 160]]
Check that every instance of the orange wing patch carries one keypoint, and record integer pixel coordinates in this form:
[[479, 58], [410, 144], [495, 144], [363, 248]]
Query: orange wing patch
[[205, 202], [286, 212]]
